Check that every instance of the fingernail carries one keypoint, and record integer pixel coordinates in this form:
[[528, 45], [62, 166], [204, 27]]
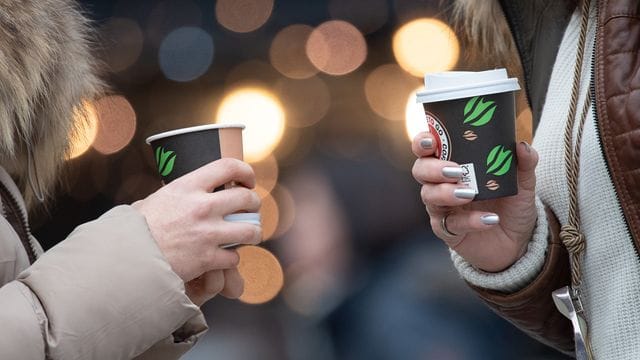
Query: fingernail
[[452, 172], [526, 146], [490, 219], [426, 143], [464, 193]]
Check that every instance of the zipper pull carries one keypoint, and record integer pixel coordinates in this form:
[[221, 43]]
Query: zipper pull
[[567, 301]]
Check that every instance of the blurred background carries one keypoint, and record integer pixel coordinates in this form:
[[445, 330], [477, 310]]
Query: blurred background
[[326, 89]]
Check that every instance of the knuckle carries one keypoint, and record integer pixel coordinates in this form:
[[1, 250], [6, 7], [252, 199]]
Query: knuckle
[[426, 193], [246, 196], [255, 200], [234, 258], [201, 208], [416, 170], [250, 234]]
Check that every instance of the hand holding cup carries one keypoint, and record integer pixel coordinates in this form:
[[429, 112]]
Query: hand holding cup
[[478, 185]]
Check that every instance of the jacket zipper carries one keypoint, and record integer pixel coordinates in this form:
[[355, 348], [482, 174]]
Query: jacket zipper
[[592, 87], [23, 231]]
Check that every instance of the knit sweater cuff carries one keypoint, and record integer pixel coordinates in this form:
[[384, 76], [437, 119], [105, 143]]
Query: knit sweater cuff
[[518, 275]]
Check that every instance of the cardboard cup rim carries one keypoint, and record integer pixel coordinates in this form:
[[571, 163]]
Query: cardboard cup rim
[[190, 129]]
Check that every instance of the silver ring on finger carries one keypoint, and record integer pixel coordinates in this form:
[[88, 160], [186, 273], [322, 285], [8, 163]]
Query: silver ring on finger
[[443, 226]]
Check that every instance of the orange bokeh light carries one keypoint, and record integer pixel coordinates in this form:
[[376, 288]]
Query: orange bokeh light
[[269, 212], [288, 52], [266, 171], [243, 16], [124, 40], [336, 47], [116, 124], [307, 101], [387, 88], [262, 274]]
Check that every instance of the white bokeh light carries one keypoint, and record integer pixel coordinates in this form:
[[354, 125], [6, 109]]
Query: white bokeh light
[[262, 114]]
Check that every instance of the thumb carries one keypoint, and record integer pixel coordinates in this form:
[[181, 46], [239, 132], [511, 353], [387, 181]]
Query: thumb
[[527, 161]]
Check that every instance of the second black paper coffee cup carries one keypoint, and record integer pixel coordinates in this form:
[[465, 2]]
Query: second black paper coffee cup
[[472, 118]]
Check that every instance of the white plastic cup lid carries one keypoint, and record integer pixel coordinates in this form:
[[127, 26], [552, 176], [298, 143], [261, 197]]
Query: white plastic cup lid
[[251, 218], [191, 129], [463, 84]]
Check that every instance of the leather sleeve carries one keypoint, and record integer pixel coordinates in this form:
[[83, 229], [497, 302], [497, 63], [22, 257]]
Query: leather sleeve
[[532, 309]]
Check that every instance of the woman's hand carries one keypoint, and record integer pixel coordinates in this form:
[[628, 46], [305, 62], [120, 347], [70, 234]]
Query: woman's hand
[[492, 234], [186, 220]]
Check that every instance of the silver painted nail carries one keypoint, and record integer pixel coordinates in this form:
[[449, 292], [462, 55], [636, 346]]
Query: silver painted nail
[[464, 193], [426, 143], [490, 219], [452, 172]]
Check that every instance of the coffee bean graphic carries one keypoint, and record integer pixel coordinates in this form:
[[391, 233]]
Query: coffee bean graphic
[[492, 185], [470, 135]]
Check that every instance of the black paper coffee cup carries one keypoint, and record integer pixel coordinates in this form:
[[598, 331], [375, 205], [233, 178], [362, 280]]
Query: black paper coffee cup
[[472, 117], [181, 151], [178, 152]]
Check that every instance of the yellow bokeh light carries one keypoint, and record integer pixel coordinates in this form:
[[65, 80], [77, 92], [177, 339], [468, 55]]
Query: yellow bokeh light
[[426, 45], [86, 121], [415, 121], [262, 114]]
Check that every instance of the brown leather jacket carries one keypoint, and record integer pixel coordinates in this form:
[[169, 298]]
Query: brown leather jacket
[[537, 27]]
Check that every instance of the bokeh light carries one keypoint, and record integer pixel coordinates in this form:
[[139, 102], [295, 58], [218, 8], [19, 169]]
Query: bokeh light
[[262, 274], [425, 45], [116, 124], [269, 212], [266, 171], [288, 52], [85, 120], [387, 88], [286, 210], [336, 47], [262, 114], [415, 121], [307, 101], [367, 16], [243, 15], [169, 15], [123, 39], [186, 53]]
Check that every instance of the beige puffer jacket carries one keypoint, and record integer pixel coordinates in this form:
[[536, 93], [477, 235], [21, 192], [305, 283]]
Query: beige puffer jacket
[[106, 292]]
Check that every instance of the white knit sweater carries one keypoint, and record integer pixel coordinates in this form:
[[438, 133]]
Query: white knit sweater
[[611, 268]]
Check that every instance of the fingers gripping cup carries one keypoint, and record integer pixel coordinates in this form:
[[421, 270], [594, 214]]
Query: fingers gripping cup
[[472, 117], [181, 151]]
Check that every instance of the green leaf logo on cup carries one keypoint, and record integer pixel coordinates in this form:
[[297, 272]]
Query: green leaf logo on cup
[[499, 160], [478, 112], [165, 160]]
